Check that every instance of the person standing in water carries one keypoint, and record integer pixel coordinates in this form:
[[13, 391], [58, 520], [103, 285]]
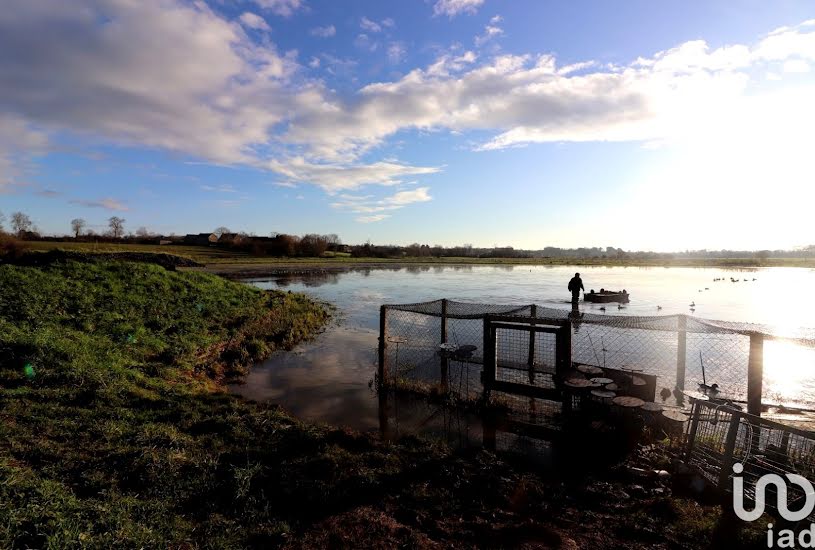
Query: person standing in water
[[575, 286]]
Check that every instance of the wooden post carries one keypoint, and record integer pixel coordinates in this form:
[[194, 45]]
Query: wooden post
[[755, 382], [383, 344], [681, 350], [755, 373], [531, 360], [729, 446], [444, 363], [488, 369], [696, 410], [563, 349]]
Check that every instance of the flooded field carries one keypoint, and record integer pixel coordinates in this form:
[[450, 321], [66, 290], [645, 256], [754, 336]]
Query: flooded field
[[328, 380]]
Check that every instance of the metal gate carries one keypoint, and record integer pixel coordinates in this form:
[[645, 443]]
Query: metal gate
[[524, 355]]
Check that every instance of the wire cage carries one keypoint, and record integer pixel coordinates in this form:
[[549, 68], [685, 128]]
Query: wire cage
[[438, 347], [725, 443]]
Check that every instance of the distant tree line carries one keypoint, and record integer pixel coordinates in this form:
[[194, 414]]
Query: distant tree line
[[314, 245]]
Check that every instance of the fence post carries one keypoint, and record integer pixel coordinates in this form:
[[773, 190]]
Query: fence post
[[563, 349], [696, 410], [755, 382], [681, 350], [531, 360], [444, 362], [383, 335], [488, 372], [729, 446], [755, 373]]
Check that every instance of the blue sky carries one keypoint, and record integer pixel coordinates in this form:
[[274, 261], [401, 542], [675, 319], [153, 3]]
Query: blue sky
[[643, 125]]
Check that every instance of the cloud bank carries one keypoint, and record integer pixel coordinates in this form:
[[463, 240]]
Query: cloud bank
[[177, 76]]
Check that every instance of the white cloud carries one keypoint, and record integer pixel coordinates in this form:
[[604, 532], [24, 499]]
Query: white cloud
[[337, 177], [19, 143], [420, 194], [324, 32], [314, 63], [107, 204], [368, 25], [285, 8], [367, 205], [195, 84], [223, 188], [201, 86], [372, 219], [253, 21], [364, 42], [527, 99], [786, 42], [342, 67], [795, 66], [490, 32], [451, 8], [388, 22], [396, 52]]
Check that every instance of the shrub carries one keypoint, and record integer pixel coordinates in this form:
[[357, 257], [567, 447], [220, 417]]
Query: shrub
[[11, 247]]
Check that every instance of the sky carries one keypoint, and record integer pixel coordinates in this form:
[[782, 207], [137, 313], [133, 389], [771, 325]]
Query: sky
[[644, 125]]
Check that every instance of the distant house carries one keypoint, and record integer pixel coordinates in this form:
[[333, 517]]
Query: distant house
[[230, 238], [201, 239]]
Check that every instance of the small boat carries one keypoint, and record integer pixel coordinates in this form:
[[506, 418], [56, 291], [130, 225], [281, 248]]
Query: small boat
[[606, 296]]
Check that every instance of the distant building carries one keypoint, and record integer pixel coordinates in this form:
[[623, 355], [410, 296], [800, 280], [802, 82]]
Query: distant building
[[201, 239], [230, 238]]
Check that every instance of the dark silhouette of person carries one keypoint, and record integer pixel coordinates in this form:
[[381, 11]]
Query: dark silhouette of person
[[575, 286]]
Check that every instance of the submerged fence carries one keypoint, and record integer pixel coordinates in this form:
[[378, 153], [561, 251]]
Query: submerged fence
[[679, 350]]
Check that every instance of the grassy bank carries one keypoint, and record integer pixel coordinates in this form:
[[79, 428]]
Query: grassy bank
[[115, 433], [226, 261], [112, 430]]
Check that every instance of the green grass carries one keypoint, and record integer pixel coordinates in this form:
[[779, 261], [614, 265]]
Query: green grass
[[112, 431], [202, 254], [230, 261], [115, 432]]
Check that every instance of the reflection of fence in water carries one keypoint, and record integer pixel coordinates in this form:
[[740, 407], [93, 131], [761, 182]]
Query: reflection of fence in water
[[674, 348]]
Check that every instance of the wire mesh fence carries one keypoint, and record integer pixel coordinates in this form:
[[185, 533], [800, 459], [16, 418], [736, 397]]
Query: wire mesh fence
[[725, 443], [680, 351]]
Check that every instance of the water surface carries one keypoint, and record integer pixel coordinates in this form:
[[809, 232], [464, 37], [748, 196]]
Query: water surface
[[328, 380]]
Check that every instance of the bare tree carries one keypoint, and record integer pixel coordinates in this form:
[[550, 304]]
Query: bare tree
[[313, 245], [77, 225], [2, 219], [221, 230], [20, 223], [142, 232], [117, 226]]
